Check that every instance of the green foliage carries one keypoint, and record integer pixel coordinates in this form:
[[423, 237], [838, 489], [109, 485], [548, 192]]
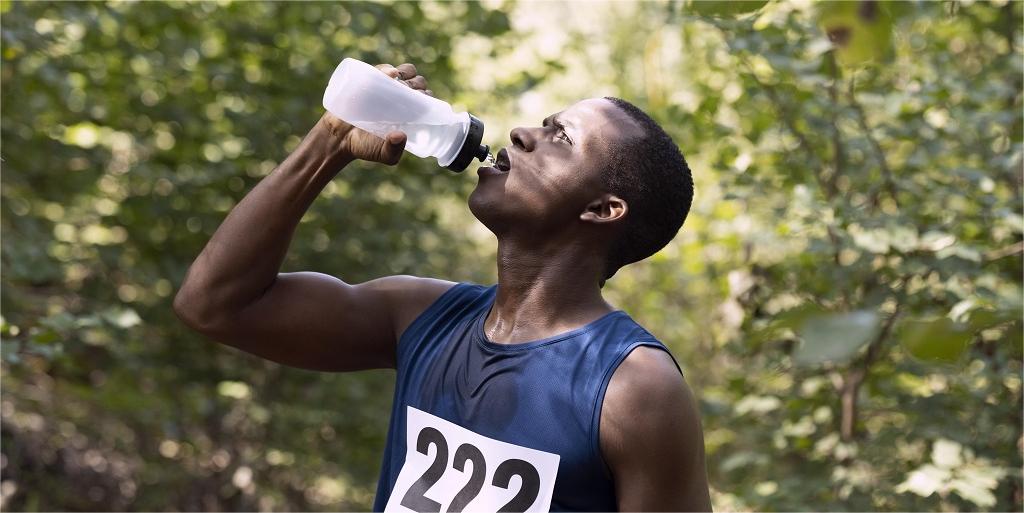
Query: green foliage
[[845, 297], [130, 131], [939, 340], [879, 201], [724, 8], [861, 31]]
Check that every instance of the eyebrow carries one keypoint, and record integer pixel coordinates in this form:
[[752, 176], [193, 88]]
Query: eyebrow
[[558, 121]]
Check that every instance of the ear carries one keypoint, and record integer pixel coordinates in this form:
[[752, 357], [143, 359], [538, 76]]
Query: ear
[[606, 209]]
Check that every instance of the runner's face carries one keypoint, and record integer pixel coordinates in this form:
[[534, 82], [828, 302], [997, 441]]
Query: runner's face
[[553, 171]]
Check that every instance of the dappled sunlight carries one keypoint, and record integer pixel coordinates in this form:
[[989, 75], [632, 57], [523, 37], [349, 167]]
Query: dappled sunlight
[[844, 297]]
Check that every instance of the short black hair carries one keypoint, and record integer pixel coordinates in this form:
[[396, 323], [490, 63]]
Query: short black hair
[[651, 175]]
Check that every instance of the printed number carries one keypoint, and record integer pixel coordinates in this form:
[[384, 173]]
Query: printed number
[[416, 500], [527, 491], [468, 452]]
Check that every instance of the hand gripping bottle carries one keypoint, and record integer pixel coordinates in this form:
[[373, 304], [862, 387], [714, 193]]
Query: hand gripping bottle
[[364, 96]]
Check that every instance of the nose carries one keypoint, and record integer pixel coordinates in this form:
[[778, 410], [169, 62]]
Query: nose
[[522, 138]]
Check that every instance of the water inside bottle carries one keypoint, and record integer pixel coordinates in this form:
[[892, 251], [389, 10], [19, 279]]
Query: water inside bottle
[[423, 138]]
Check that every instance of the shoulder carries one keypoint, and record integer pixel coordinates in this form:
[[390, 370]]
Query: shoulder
[[409, 286], [404, 290], [407, 296], [647, 376], [651, 435]]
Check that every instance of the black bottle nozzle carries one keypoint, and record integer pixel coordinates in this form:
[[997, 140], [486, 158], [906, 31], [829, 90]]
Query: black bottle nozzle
[[471, 148]]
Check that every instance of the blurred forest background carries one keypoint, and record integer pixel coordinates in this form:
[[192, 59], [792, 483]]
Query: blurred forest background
[[845, 297]]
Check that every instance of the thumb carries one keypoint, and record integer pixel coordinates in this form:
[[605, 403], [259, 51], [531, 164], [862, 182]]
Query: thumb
[[391, 150]]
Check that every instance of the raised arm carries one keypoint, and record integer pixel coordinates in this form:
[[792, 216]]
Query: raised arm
[[234, 294], [651, 436]]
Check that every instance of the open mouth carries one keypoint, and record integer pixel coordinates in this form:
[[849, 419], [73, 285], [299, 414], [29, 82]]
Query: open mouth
[[502, 162], [502, 165]]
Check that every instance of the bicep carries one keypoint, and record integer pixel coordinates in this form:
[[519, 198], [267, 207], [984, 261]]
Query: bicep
[[318, 322], [651, 436]]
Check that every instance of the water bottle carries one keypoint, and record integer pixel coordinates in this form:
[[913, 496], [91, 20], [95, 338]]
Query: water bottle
[[366, 97]]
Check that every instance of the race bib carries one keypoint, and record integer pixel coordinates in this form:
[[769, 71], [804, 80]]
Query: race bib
[[450, 468]]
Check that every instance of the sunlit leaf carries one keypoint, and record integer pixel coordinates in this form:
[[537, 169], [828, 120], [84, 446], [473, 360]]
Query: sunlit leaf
[[946, 453], [935, 340], [972, 491], [924, 481], [860, 30]]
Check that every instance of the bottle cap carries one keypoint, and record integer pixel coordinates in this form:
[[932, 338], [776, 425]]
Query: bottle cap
[[471, 147]]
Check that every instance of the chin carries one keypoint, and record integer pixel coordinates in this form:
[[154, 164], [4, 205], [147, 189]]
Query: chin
[[488, 211], [481, 208]]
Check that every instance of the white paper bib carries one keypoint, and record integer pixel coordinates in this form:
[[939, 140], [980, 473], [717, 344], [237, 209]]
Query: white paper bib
[[450, 468]]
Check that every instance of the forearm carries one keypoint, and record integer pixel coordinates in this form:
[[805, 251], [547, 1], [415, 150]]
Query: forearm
[[244, 255]]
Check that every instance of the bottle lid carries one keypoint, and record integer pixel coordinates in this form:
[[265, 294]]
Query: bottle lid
[[471, 147]]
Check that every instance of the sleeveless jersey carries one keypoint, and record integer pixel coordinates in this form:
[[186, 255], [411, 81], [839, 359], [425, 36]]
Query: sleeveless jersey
[[481, 426]]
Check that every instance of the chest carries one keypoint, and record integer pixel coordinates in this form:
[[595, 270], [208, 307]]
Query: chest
[[532, 414]]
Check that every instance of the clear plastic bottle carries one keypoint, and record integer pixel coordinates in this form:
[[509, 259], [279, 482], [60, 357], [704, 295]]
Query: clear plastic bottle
[[364, 96]]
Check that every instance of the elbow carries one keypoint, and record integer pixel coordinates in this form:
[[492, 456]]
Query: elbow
[[194, 312]]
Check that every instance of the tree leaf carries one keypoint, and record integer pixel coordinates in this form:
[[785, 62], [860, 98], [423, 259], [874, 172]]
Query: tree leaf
[[834, 337], [973, 492], [946, 453], [860, 31], [934, 340], [924, 481], [724, 8]]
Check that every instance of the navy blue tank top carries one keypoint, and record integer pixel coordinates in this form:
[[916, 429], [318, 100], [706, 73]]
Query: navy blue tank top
[[479, 426]]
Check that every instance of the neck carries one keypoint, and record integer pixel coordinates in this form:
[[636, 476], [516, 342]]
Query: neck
[[544, 291]]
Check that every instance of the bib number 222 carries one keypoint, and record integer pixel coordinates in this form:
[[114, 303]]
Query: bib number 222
[[491, 465]]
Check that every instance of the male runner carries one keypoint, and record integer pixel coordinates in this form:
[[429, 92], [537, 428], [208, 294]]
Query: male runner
[[528, 395]]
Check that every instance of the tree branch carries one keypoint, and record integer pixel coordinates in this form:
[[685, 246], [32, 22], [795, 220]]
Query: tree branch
[[855, 377], [1005, 251], [788, 119], [838, 150], [862, 120]]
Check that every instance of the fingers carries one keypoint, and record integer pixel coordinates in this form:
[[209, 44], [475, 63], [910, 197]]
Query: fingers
[[407, 73], [393, 147], [396, 138], [417, 82], [389, 70]]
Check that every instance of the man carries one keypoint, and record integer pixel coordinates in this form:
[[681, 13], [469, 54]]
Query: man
[[528, 395]]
